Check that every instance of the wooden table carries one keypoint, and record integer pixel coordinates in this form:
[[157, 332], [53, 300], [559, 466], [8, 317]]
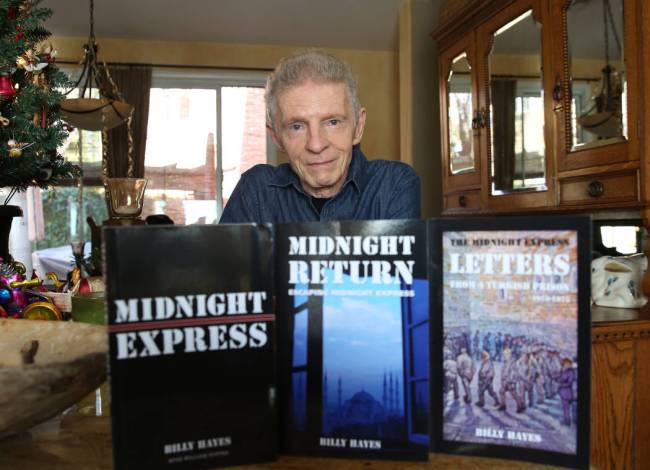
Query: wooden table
[[619, 434], [81, 440]]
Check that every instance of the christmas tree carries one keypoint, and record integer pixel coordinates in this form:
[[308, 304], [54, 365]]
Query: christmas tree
[[31, 130]]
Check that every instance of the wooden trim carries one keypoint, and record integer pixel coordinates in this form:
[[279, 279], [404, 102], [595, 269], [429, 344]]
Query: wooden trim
[[405, 69], [567, 158], [485, 35], [621, 334], [598, 170], [466, 19], [471, 178]]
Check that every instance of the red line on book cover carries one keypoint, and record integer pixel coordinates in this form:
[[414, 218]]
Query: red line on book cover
[[190, 322]]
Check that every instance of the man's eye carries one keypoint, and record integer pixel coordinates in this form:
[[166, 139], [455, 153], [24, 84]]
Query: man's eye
[[333, 122], [296, 126]]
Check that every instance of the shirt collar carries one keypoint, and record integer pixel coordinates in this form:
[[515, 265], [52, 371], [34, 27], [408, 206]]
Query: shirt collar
[[284, 176]]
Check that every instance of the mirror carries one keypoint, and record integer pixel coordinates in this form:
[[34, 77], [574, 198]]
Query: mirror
[[598, 82], [517, 108], [459, 115]]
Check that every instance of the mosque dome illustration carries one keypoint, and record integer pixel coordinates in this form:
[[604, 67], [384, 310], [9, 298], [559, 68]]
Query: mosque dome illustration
[[362, 407]]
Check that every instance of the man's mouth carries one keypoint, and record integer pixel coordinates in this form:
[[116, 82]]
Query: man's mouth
[[320, 163]]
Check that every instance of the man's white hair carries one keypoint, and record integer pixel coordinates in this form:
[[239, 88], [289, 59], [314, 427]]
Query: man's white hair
[[312, 65]]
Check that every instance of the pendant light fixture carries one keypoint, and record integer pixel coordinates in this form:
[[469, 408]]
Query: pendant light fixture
[[86, 112], [605, 118]]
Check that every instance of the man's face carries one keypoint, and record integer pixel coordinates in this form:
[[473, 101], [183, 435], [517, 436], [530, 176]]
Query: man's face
[[315, 128]]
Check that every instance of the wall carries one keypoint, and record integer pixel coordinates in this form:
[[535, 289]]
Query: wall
[[419, 102], [377, 73]]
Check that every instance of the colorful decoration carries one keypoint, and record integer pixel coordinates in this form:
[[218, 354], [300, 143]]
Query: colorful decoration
[[26, 298], [30, 93], [20, 34], [7, 90], [5, 296], [35, 61], [42, 311], [16, 149]]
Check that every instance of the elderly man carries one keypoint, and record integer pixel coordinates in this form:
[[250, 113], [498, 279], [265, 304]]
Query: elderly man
[[314, 116]]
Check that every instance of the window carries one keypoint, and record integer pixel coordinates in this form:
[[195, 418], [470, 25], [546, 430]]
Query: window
[[205, 129]]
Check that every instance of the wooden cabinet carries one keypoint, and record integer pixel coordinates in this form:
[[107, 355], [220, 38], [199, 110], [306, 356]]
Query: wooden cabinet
[[620, 408], [550, 117]]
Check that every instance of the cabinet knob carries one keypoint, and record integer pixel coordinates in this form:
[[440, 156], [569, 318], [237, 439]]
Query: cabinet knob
[[483, 117], [475, 121], [462, 200], [595, 189], [557, 89]]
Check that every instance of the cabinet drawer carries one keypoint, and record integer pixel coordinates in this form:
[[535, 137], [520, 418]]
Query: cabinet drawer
[[467, 201], [600, 189]]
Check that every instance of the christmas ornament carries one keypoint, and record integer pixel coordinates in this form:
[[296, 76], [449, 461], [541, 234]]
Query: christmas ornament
[[3, 121], [16, 149], [25, 7], [7, 90], [48, 53], [40, 119], [35, 62], [5, 296], [26, 298], [11, 13], [19, 33], [18, 292], [42, 311], [46, 173]]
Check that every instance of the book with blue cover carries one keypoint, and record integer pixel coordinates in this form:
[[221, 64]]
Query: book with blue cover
[[192, 345], [353, 334]]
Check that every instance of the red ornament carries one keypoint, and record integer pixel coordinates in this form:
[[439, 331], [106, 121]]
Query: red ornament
[[19, 33], [12, 12], [84, 287], [7, 91]]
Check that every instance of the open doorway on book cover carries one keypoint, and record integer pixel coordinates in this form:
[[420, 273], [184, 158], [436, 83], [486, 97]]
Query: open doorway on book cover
[[205, 129]]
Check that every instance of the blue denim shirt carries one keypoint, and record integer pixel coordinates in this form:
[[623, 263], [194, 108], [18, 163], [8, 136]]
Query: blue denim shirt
[[375, 189]]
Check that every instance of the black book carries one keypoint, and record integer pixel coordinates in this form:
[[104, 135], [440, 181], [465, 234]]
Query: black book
[[353, 334], [511, 334], [191, 341]]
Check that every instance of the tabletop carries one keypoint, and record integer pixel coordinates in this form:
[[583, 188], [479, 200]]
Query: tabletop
[[80, 438]]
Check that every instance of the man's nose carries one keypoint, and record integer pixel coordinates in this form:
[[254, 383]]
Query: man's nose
[[316, 139]]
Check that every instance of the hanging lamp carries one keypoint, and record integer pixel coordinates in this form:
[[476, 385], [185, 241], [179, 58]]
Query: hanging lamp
[[86, 112], [607, 120]]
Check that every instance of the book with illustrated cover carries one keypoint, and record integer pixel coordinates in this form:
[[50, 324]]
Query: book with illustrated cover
[[353, 334], [511, 330], [191, 343]]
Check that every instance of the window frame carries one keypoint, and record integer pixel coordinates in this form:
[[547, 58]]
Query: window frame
[[214, 79]]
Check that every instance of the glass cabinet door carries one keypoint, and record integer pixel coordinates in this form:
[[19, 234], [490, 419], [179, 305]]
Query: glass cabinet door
[[513, 86], [460, 116], [591, 93]]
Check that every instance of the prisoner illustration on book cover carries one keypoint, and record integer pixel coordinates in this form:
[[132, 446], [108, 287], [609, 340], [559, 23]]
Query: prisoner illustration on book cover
[[510, 356]]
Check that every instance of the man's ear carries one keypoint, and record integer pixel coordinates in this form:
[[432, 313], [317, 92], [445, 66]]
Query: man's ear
[[276, 139], [361, 124]]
